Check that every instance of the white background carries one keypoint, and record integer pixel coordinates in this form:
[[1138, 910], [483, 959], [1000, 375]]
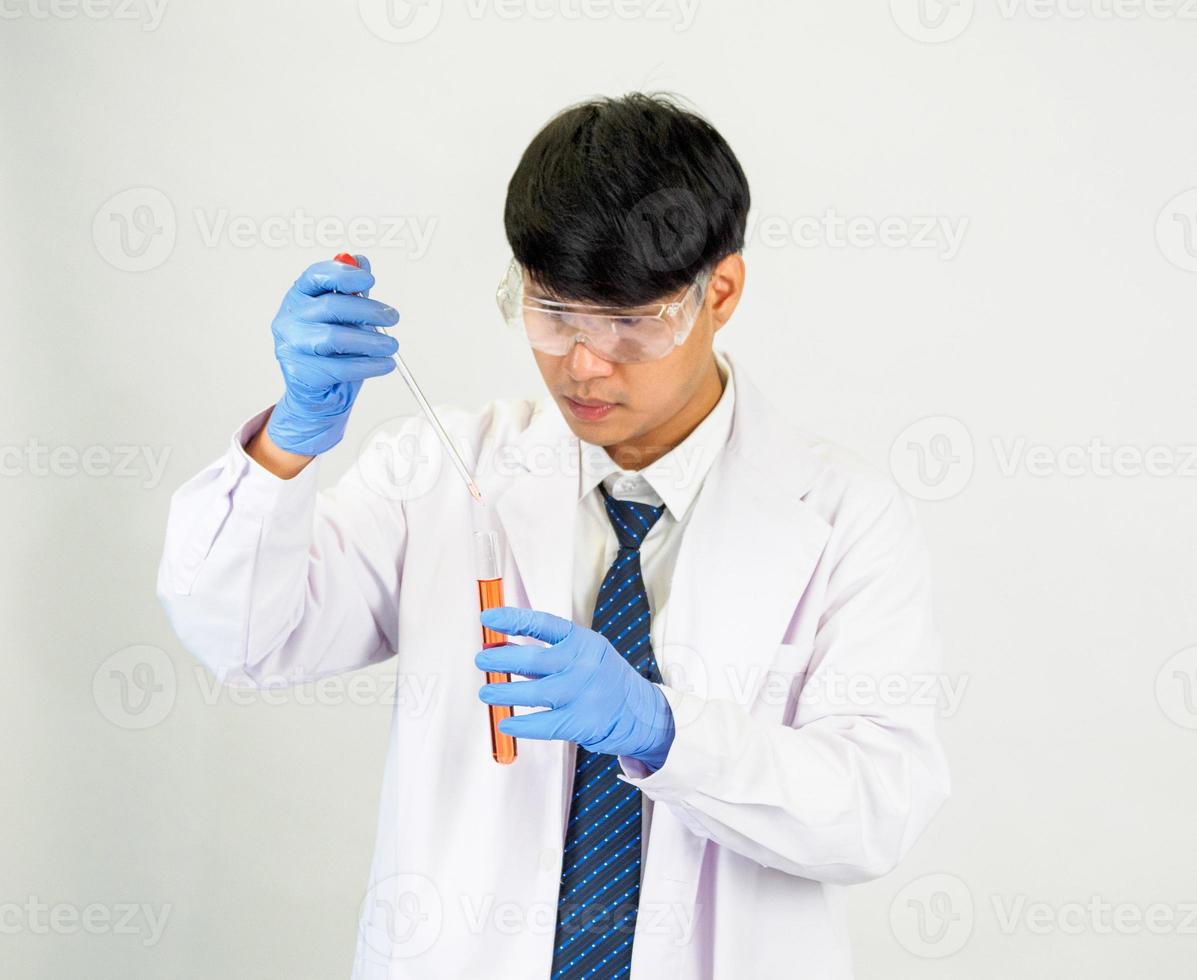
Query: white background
[[1059, 135]]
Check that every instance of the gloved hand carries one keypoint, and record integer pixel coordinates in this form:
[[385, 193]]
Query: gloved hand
[[326, 344], [596, 697]]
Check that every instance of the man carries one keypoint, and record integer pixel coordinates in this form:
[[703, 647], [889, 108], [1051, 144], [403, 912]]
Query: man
[[721, 606]]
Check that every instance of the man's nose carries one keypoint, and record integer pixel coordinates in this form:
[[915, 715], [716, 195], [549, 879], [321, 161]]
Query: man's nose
[[581, 363]]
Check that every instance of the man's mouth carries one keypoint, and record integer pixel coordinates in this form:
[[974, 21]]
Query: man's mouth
[[589, 409]]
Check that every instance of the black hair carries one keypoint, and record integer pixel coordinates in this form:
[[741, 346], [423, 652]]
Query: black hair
[[623, 201]]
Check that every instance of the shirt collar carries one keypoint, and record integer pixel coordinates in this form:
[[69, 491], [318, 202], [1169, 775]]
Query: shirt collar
[[675, 478]]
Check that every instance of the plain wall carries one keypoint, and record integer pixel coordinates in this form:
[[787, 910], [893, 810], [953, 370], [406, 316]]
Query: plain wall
[[1056, 140]]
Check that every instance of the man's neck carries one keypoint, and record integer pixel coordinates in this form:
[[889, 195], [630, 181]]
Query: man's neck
[[635, 454]]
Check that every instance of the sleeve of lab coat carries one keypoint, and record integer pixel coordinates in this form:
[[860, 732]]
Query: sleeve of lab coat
[[842, 793], [268, 582]]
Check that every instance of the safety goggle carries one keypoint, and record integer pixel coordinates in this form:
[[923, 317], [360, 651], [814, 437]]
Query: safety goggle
[[626, 336]]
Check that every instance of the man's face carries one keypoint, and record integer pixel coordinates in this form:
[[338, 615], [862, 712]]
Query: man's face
[[630, 405]]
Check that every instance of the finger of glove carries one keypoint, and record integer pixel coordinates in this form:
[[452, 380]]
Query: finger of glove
[[556, 723], [325, 339], [331, 276], [365, 264], [547, 692], [514, 621], [318, 371], [353, 310], [520, 658]]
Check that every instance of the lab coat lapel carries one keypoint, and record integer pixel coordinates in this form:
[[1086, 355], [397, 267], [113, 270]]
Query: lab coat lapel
[[748, 553]]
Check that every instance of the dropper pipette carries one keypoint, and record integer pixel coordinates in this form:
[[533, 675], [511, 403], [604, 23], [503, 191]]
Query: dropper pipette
[[426, 407]]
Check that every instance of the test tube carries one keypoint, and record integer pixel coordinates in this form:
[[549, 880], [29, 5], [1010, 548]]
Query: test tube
[[490, 595]]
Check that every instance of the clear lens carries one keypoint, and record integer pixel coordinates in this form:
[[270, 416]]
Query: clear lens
[[616, 338], [623, 336]]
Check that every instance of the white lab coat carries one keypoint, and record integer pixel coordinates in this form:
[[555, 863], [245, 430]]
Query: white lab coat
[[798, 650]]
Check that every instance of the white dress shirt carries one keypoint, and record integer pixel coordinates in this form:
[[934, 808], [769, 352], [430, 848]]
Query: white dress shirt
[[674, 480]]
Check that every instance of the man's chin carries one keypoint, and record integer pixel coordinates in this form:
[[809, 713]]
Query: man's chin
[[596, 433], [606, 432]]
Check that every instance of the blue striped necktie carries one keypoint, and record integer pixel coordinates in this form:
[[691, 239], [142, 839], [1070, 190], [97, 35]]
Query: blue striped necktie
[[600, 872]]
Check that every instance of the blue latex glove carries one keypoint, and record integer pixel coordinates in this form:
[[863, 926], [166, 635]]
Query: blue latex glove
[[596, 697], [326, 344]]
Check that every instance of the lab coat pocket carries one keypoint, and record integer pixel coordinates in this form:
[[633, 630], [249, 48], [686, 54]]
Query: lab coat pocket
[[777, 697]]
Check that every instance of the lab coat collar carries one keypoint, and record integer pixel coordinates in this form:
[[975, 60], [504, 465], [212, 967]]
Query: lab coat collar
[[677, 476], [537, 508], [769, 444]]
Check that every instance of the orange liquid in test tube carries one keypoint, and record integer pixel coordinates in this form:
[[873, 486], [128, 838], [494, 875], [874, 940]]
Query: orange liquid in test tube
[[490, 595]]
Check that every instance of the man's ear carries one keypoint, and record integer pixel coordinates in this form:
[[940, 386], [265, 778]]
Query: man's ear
[[725, 288]]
